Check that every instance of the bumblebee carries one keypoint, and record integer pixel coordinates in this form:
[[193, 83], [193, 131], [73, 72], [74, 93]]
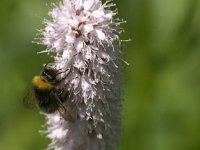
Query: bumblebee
[[47, 96]]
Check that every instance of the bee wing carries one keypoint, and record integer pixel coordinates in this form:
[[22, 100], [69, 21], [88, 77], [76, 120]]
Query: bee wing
[[62, 110], [29, 100], [65, 113]]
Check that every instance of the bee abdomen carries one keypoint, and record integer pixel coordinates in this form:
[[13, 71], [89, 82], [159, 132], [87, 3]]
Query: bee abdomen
[[45, 102]]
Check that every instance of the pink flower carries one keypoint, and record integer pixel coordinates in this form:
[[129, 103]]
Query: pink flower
[[83, 37]]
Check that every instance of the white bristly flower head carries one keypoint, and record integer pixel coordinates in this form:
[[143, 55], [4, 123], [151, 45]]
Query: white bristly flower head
[[83, 37]]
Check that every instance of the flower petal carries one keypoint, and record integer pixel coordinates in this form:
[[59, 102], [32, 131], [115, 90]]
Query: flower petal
[[100, 34], [70, 37], [87, 28], [88, 4], [78, 44]]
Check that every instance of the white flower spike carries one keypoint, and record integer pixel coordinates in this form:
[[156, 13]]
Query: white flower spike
[[83, 37]]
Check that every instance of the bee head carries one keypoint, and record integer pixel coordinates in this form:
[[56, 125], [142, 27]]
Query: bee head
[[49, 75]]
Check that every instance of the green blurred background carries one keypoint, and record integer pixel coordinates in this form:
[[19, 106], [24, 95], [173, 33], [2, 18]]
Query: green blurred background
[[161, 85]]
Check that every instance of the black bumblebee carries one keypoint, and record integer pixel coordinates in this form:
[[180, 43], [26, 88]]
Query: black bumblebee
[[47, 96]]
